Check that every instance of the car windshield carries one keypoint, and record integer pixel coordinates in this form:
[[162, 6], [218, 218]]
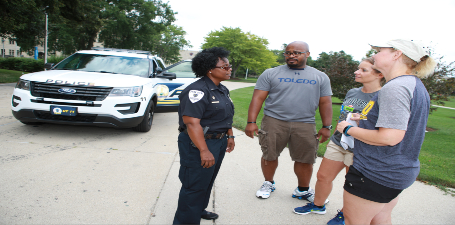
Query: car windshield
[[183, 70], [106, 64]]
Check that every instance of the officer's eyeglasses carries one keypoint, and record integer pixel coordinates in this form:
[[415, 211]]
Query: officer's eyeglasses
[[287, 54], [224, 67]]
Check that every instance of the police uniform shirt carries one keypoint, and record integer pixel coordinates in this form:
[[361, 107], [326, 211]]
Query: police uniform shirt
[[208, 102]]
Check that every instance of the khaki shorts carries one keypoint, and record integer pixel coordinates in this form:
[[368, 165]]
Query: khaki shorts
[[300, 137], [338, 153]]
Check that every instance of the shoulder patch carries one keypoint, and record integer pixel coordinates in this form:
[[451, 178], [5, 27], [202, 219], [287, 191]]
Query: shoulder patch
[[195, 95]]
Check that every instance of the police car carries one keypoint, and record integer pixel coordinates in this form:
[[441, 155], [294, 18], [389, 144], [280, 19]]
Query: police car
[[101, 87]]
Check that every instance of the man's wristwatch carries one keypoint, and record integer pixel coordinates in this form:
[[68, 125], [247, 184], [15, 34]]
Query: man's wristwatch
[[229, 136], [328, 127]]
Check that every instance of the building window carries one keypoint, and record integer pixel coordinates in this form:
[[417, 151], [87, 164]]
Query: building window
[[11, 42], [11, 52]]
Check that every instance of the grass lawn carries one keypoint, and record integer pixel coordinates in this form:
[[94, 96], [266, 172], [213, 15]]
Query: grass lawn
[[438, 150], [242, 79], [450, 103], [10, 76]]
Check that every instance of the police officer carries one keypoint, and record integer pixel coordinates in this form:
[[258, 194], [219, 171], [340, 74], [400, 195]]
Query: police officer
[[205, 118]]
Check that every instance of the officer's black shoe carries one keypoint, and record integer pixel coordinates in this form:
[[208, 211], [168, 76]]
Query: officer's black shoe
[[206, 215]]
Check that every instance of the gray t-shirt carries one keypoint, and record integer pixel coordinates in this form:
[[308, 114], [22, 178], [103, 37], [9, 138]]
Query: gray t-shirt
[[293, 93], [403, 104], [354, 102]]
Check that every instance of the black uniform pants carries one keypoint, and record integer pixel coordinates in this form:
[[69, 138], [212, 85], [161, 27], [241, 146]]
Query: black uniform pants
[[196, 181]]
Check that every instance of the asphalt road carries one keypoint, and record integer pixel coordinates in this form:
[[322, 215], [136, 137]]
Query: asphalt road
[[61, 174]]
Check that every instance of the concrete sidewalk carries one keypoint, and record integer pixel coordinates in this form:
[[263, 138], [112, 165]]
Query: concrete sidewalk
[[233, 197]]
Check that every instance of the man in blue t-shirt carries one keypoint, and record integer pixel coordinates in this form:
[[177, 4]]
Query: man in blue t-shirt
[[292, 93]]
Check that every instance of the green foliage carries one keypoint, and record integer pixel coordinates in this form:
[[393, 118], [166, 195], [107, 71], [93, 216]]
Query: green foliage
[[75, 25], [279, 54], [24, 20], [371, 52], [22, 64], [168, 44], [340, 68], [437, 85], [145, 25], [247, 50], [55, 59]]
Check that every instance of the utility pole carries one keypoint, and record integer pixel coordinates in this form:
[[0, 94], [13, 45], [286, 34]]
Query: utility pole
[[3, 49], [45, 39]]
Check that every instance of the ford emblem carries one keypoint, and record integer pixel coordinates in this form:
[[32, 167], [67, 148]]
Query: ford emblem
[[67, 91]]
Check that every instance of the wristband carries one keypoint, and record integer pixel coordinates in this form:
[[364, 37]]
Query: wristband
[[345, 130], [250, 122]]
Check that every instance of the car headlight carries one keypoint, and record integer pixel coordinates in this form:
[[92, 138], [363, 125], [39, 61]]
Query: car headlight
[[126, 91], [23, 84]]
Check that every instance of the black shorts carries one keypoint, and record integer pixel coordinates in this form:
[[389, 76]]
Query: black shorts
[[357, 184]]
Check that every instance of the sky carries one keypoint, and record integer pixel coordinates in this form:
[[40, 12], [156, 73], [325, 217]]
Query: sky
[[326, 25]]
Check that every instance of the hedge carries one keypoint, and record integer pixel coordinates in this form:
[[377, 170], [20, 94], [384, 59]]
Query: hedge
[[22, 64], [27, 64]]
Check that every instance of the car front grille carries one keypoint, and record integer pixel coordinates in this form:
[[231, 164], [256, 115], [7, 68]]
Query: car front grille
[[83, 93], [87, 118]]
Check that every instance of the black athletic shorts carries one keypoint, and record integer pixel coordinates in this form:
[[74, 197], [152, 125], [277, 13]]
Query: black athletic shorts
[[357, 184]]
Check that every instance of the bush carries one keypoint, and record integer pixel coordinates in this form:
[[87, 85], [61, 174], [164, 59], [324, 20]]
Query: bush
[[22, 64], [55, 59]]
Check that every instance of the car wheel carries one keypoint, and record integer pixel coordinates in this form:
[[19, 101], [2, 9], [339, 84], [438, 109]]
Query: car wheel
[[147, 120]]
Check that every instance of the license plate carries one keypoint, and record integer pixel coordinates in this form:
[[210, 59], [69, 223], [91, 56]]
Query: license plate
[[63, 110]]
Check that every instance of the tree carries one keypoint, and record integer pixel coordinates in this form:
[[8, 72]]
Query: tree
[[145, 25], [340, 68], [437, 84], [279, 54], [169, 42], [246, 49], [24, 20], [75, 25]]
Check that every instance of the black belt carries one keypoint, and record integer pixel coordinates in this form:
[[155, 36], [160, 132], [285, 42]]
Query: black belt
[[206, 136]]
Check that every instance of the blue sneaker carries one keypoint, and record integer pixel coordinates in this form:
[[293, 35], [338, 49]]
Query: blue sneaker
[[309, 208], [337, 220]]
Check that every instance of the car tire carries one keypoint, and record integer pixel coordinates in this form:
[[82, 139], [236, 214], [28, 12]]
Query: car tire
[[146, 123]]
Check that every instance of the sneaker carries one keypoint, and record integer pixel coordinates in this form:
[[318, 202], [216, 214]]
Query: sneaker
[[337, 220], [265, 190], [306, 195], [309, 208]]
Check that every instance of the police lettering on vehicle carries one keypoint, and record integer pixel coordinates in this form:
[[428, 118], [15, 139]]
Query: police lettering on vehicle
[[300, 81]]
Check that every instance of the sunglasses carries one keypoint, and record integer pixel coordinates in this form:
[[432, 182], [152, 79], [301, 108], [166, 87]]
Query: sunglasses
[[224, 67]]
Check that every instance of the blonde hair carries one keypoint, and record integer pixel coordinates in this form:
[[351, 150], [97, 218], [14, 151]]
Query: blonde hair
[[370, 60], [421, 69]]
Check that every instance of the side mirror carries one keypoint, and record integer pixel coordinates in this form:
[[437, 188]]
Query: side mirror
[[48, 66], [167, 75], [159, 70]]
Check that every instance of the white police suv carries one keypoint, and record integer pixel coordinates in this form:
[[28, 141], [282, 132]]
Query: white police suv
[[101, 87]]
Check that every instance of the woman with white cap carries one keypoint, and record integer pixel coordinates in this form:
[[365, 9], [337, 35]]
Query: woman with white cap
[[390, 134]]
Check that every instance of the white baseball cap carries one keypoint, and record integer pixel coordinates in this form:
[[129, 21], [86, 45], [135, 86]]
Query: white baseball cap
[[412, 49]]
